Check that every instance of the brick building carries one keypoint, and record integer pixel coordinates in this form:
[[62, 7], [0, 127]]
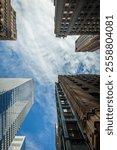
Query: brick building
[[88, 43], [78, 112], [75, 17], [7, 21]]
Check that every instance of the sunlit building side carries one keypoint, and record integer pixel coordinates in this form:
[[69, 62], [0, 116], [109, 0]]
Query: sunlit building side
[[16, 99], [78, 112], [8, 29]]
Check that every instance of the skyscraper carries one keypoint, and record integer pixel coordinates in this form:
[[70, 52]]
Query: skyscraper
[[7, 21], [16, 99], [88, 43], [18, 143], [78, 112], [77, 17]]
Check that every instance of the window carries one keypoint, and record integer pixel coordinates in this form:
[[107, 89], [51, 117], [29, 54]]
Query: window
[[73, 1], [95, 94], [65, 110], [85, 88], [79, 84], [68, 18], [70, 12], [63, 18], [67, 23], [73, 130], [65, 12], [67, 4], [72, 7]]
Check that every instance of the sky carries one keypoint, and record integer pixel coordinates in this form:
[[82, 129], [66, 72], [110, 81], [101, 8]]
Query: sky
[[38, 54]]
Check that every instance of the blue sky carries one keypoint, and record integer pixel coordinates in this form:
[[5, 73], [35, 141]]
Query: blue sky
[[38, 54]]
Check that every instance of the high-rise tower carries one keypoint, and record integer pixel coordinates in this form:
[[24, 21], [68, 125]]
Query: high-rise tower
[[88, 43], [16, 99], [7, 21], [77, 17], [78, 112]]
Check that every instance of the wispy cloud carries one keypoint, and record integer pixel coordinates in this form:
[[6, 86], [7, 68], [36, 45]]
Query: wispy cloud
[[30, 142], [37, 42]]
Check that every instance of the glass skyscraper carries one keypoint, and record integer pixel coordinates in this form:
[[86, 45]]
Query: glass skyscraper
[[16, 99]]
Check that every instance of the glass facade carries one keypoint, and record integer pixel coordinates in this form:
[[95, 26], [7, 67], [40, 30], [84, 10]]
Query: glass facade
[[15, 101]]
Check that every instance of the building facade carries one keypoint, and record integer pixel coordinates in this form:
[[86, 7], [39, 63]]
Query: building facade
[[18, 143], [16, 99], [88, 43], [78, 112], [7, 21], [76, 17]]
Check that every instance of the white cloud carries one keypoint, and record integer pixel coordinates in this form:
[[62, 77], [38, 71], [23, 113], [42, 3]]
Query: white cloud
[[37, 42], [31, 144]]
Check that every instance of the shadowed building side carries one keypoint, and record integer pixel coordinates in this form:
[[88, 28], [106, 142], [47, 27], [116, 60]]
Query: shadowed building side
[[88, 43], [69, 135], [77, 17], [7, 21]]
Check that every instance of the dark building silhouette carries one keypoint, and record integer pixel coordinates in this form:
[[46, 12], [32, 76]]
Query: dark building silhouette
[[7, 21], [88, 43], [78, 112], [77, 17]]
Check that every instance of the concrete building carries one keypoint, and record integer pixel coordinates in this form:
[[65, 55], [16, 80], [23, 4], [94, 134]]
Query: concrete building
[[78, 112], [88, 43], [7, 21], [75, 17], [18, 143], [16, 99]]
